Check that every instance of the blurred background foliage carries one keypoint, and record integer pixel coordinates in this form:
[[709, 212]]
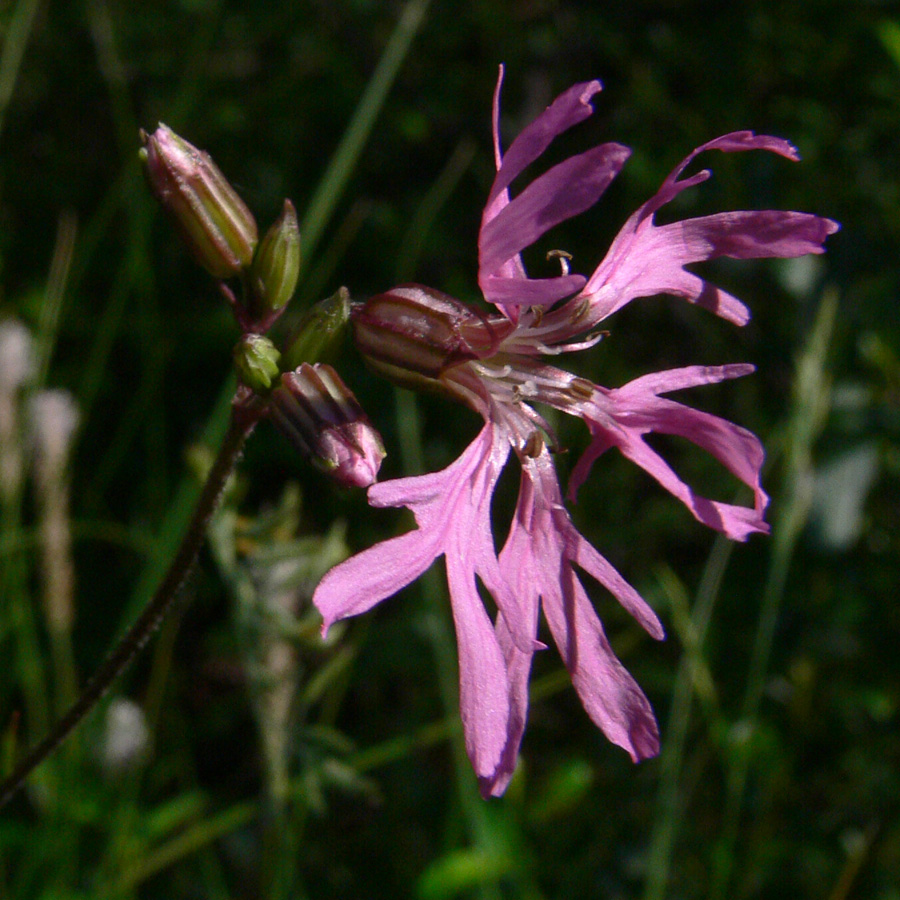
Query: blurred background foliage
[[242, 757]]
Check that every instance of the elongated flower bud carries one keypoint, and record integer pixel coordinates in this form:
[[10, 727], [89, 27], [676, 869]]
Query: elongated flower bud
[[214, 222], [276, 266], [320, 333], [319, 413], [256, 359]]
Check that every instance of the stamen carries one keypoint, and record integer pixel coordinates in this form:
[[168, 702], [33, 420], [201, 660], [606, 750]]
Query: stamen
[[581, 309], [528, 388], [533, 445], [589, 341], [485, 368], [563, 258], [547, 350], [581, 388]]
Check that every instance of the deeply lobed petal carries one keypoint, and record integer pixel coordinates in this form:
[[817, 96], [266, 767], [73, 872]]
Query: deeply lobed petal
[[452, 511], [538, 559], [646, 259], [610, 696], [566, 190], [733, 142], [363, 581], [568, 109], [512, 293], [518, 672], [483, 690], [517, 567], [541, 513], [500, 271], [620, 418]]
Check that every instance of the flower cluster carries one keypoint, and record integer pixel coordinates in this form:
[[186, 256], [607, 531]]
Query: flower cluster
[[307, 400], [495, 364]]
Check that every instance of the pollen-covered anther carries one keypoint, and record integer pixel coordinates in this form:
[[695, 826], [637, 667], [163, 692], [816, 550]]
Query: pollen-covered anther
[[581, 389], [581, 310]]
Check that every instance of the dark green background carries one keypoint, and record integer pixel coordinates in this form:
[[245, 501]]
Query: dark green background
[[144, 341]]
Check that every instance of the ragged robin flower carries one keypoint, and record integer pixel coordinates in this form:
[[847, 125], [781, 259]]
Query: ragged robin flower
[[495, 364]]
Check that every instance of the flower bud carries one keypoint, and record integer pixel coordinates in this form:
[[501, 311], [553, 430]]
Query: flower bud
[[413, 333], [214, 222], [320, 332], [256, 360], [320, 415], [276, 266]]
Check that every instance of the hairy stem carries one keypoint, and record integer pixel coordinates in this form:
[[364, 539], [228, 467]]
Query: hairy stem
[[243, 420]]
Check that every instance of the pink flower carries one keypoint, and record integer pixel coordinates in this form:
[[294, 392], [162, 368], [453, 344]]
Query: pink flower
[[495, 364]]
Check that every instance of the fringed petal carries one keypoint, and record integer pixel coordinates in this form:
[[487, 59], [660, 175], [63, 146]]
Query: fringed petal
[[622, 417], [646, 259]]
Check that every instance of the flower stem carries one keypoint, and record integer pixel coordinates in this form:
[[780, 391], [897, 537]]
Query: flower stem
[[243, 420]]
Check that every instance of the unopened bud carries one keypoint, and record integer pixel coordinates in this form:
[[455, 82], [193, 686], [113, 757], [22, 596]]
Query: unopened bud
[[276, 266], [319, 413], [256, 359], [320, 332], [214, 222], [413, 333]]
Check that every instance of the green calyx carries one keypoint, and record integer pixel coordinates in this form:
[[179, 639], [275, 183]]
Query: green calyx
[[276, 266], [320, 333]]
